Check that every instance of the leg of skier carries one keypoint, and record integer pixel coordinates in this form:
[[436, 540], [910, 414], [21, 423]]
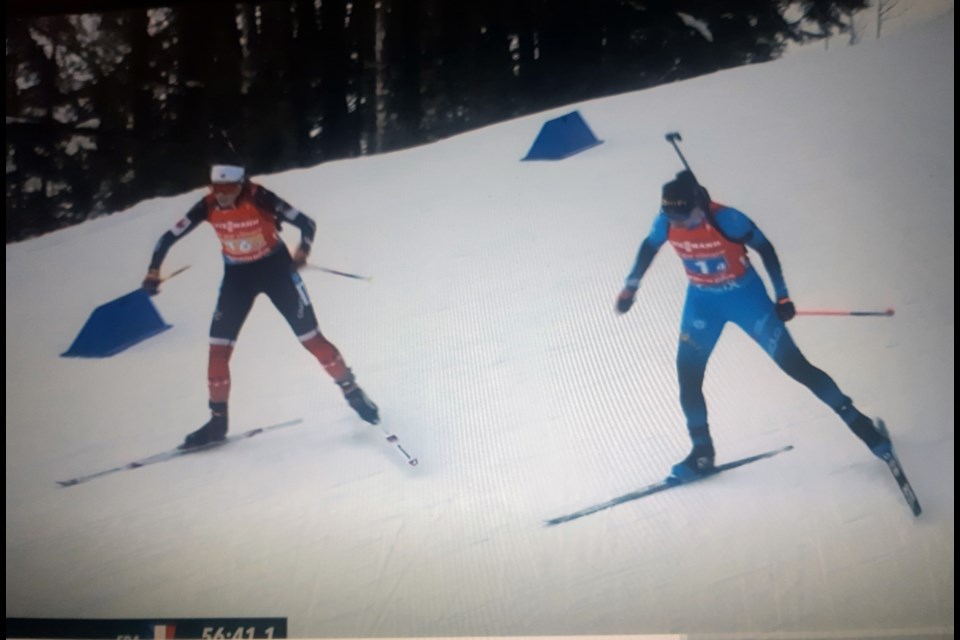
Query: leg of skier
[[700, 328], [233, 305], [289, 295], [758, 319]]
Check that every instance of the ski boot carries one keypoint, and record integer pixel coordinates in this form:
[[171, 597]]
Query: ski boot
[[214, 431], [699, 463], [360, 403], [876, 439]]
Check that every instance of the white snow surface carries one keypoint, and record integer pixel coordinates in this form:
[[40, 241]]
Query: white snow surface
[[487, 337]]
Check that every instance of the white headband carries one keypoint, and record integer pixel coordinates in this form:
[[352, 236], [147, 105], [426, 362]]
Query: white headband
[[225, 173]]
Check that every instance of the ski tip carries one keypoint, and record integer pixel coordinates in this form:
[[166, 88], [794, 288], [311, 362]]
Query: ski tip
[[552, 522], [67, 483]]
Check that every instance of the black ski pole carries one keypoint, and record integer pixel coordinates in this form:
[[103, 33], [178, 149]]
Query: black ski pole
[[337, 273], [672, 138]]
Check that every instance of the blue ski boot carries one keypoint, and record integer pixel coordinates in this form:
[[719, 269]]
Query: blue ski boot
[[699, 463], [876, 438], [882, 447]]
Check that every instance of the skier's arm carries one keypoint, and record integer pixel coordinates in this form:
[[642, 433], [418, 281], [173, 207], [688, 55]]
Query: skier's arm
[[286, 212], [738, 227], [196, 215], [647, 252], [771, 262], [645, 255]]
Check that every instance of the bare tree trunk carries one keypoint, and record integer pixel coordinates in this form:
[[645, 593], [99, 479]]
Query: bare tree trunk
[[885, 12], [380, 86]]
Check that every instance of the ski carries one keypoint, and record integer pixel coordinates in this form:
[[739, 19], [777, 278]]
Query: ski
[[175, 453], [893, 463], [395, 441], [667, 483]]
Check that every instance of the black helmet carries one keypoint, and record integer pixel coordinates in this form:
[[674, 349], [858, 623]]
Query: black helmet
[[679, 198], [682, 194]]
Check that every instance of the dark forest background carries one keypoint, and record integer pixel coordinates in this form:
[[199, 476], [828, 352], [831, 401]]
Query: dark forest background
[[107, 108]]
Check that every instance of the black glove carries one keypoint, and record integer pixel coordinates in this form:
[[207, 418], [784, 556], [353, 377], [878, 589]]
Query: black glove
[[625, 300], [151, 284], [785, 309]]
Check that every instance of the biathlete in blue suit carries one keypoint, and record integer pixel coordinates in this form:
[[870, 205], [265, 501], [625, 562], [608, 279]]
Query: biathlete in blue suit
[[711, 240]]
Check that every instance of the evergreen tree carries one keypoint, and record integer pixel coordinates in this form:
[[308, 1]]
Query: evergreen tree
[[105, 109]]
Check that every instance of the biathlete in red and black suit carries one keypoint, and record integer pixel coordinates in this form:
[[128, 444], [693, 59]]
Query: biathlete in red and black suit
[[247, 219], [711, 240]]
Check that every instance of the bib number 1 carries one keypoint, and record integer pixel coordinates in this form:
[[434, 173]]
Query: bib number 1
[[705, 266]]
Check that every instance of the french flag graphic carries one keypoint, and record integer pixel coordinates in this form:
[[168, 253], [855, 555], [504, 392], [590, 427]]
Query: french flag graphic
[[164, 632]]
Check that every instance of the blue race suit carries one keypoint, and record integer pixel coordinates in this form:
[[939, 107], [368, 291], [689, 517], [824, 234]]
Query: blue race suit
[[724, 288]]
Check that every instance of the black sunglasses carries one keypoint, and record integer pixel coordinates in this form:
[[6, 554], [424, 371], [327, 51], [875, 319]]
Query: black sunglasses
[[679, 211]]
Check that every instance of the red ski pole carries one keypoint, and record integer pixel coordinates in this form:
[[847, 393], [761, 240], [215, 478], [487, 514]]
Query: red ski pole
[[839, 312]]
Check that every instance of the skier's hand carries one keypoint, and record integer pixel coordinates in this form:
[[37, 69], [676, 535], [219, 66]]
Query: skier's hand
[[151, 284], [625, 300], [300, 258], [785, 309]]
